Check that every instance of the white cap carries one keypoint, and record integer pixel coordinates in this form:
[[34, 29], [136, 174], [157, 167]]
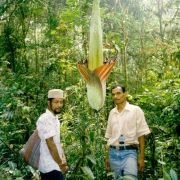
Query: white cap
[[55, 93]]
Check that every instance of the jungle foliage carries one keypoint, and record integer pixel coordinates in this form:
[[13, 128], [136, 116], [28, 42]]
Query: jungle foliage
[[41, 42]]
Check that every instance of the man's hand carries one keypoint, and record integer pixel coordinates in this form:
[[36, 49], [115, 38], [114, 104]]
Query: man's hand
[[64, 167], [140, 164]]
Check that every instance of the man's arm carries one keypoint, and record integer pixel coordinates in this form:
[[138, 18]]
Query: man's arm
[[141, 154], [54, 152]]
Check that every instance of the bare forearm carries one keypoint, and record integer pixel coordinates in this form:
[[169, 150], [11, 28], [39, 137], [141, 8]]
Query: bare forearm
[[141, 164], [54, 151], [141, 147]]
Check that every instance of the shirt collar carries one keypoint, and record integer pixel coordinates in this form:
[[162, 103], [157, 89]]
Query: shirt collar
[[127, 107], [50, 113]]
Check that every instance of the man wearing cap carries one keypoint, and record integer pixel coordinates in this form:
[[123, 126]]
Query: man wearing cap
[[52, 161], [126, 130]]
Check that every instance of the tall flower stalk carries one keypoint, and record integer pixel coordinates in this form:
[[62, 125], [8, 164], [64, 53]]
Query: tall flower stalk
[[95, 72]]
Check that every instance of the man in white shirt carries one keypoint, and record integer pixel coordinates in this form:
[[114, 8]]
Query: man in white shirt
[[52, 163], [125, 132]]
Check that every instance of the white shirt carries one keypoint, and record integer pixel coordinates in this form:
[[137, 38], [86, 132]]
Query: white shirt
[[48, 126], [130, 123]]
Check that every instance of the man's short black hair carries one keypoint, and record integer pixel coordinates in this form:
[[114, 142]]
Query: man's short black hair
[[119, 85]]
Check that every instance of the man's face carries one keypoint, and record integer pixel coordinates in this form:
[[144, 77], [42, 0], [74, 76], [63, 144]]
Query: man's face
[[55, 105], [118, 95]]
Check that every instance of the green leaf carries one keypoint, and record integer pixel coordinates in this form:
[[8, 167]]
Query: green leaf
[[33, 171], [166, 176], [17, 173], [12, 165], [91, 136], [53, 32], [110, 174], [161, 162], [127, 178], [173, 175], [87, 171], [91, 158], [26, 109]]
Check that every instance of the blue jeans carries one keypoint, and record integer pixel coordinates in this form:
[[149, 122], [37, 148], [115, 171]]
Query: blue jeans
[[123, 163]]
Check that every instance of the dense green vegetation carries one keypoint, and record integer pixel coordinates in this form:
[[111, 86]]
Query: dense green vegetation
[[41, 42]]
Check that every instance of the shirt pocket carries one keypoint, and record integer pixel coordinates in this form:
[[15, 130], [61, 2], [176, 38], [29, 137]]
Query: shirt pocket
[[130, 127]]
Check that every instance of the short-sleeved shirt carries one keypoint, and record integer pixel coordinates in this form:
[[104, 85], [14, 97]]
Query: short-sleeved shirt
[[48, 126], [130, 123]]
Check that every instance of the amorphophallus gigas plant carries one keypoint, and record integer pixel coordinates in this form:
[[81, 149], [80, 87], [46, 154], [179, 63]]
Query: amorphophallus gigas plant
[[95, 72]]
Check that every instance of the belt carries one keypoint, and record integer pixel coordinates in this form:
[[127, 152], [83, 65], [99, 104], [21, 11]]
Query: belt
[[125, 147]]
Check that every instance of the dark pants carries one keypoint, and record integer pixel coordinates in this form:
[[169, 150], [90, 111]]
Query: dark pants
[[52, 175]]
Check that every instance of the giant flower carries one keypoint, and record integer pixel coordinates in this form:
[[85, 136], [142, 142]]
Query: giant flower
[[95, 72]]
